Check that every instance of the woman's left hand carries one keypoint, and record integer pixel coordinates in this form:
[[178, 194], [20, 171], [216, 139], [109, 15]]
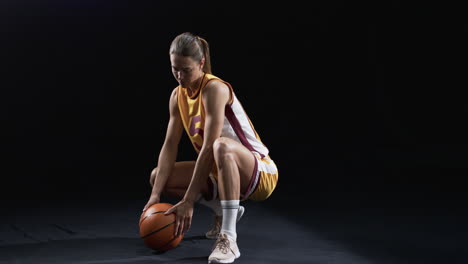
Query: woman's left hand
[[184, 212]]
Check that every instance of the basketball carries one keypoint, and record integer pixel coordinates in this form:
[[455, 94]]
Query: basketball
[[157, 230]]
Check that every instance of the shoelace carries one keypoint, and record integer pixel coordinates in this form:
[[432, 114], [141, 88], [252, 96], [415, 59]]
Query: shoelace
[[223, 244], [217, 225]]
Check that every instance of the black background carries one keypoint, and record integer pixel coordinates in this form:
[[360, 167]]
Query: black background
[[352, 99]]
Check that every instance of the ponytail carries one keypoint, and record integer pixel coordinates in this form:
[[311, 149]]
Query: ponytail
[[206, 54]]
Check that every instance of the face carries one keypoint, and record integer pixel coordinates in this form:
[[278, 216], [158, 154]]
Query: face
[[186, 71]]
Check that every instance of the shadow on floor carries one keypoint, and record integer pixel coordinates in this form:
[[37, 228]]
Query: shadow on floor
[[384, 227], [101, 250]]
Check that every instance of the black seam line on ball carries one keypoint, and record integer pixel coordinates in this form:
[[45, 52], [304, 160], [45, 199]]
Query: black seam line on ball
[[158, 230], [153, 214]]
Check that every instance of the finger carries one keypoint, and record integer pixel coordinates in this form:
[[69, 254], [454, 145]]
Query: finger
[[176, 226], [187, 225], [181, 228], [170, 210]]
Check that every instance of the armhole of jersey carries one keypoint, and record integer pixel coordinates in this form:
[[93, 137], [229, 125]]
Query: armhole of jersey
[[231, 91]]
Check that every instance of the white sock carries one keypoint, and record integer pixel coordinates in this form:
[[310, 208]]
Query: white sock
[[230, 209], [214, 205]]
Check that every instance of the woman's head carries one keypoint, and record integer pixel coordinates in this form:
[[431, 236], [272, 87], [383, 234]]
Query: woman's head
[[190, 56]]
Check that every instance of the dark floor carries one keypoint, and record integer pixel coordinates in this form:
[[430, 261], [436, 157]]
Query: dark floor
[[340, 231]]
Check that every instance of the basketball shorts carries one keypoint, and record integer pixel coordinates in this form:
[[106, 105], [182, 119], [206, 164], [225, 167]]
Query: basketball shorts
[[263, 181]]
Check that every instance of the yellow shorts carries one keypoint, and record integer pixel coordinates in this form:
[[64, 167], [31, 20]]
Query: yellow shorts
[[263, 181]]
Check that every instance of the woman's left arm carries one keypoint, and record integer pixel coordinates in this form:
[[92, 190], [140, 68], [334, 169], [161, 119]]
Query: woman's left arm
[[215, 97]]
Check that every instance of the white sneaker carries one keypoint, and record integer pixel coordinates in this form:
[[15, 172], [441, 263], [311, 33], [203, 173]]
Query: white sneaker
[[215, 229], [213, 233], [225, 250], [240, 213]]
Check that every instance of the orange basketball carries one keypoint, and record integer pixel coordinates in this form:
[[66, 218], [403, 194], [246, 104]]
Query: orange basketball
[[157, 229]]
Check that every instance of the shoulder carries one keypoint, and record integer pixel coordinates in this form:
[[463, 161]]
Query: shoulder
[[174, 92], [216, 89], [173, 98]]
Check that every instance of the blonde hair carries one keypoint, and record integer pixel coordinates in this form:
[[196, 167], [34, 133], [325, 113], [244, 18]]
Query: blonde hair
[[190, 45]]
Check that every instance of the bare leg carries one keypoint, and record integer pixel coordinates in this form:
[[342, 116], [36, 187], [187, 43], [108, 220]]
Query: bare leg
[[178, 182], [235, 165]]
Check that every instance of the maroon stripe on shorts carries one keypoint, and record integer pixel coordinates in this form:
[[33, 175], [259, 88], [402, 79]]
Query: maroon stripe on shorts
[[252, 179]]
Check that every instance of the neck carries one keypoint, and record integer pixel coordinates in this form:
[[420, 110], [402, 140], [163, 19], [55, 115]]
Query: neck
[[196, 84]]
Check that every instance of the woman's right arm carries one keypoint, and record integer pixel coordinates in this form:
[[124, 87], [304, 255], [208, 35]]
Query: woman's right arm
[[168, 154]]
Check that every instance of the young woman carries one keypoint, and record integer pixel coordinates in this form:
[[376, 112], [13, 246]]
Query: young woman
[[232, 163]]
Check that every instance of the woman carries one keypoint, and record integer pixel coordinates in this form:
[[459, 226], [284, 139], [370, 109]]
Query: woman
[[232, 163]]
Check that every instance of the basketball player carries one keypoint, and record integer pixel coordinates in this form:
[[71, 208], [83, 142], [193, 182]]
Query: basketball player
[[232, 163]]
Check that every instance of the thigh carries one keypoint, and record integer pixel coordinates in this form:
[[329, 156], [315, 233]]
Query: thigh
[[181, 177]]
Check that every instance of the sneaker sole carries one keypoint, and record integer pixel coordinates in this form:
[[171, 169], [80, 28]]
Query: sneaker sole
[[223, 261]]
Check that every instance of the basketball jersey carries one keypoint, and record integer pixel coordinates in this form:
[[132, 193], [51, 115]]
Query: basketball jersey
[[237, 125]]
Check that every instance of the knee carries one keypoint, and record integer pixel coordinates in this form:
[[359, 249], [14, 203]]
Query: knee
[[221, 147], [222, 150], [154, 172]]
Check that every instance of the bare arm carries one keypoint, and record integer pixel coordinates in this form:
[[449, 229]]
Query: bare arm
[[215, 98], [168, 154]]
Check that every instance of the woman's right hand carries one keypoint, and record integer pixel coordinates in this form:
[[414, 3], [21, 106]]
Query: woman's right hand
[[154, 199]]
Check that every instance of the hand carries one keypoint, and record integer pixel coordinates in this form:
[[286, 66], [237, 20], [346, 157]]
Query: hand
[[152, 200], [184, 212]]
